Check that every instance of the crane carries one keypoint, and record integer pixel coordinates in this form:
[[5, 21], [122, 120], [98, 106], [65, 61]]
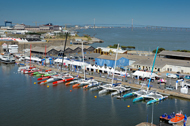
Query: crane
[[36, 22]]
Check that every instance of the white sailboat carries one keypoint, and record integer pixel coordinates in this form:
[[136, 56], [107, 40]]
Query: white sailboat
[[146, 94], [116, 88]]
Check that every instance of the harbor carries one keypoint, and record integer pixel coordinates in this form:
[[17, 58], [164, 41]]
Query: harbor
[[40, 95], [83, 75]]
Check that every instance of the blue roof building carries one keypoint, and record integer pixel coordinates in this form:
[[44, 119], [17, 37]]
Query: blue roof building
[[106, 60]]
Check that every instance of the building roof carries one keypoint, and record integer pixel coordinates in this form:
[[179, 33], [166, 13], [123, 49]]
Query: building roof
[[104, 49], [58, 48], [160, 61], [108, 57], [174, 53]]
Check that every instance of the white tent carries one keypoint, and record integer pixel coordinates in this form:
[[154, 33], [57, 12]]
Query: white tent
[[94, 68], [107, 69], [112, 70], [33, 59], [77, 63], [90, 66], [144, 74], [103, 69]]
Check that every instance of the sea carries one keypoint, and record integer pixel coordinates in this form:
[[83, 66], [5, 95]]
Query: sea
[[144, 39], [24, 103]]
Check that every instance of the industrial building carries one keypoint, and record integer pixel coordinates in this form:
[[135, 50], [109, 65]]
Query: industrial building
[[161, 64], [32, 28], [19, 27], [109, 61], [55, 50], [142, 62], [175, 55]]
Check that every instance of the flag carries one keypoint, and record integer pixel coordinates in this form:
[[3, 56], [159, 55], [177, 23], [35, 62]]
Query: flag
[[185, 120]]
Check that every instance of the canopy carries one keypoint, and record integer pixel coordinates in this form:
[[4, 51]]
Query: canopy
[[33, 59], [144, 74], [94, 67]]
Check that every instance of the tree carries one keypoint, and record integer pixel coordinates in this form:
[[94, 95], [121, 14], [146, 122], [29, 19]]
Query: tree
[[159, 50], [114, 46], [123, 47], [130, 47]]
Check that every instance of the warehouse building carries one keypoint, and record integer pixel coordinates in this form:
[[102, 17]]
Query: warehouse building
[[104, 60], [161, 64], [55, 50], [175, 55]]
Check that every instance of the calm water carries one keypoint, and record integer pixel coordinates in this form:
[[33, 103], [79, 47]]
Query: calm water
[[24, 103], [141, 38]]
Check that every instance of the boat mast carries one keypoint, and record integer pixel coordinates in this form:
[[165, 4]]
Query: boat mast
[[152, 68], [83, 59], [30, 54], [64, 49], [24, 53], [115, 62]]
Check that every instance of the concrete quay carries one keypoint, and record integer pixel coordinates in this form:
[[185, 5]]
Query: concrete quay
[[135, 86]]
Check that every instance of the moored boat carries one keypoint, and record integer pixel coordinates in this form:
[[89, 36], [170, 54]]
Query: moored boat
[[179, 117]]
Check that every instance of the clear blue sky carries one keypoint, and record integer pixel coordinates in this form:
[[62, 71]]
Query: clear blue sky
[[145, 12]]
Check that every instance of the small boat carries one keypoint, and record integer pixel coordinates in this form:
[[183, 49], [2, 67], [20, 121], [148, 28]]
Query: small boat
[[179, 117], [75, 81], [50, 73], [35, 73], [40, 74], [50, 79], [115, 88], [91, 84], [166, 118], [54, 78], [7, 59], [135, 93], [64, 80], [83, 82], [151, 94]]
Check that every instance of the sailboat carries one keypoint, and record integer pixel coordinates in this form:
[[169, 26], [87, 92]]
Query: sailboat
[[116, 88], [146, 94], [85, 81]]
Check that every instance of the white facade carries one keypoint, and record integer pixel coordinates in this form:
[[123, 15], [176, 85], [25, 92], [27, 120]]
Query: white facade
[[19, 26], [13, 48], [173, 68]]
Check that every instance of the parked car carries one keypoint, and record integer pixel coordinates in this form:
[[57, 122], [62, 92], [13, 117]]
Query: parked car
[[76, 57], [172, 76], [178, 72], [91, 58], [170, 88]]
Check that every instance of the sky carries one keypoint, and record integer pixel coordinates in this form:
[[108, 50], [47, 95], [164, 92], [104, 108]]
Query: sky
[[173, 13]]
